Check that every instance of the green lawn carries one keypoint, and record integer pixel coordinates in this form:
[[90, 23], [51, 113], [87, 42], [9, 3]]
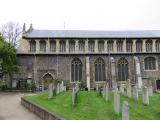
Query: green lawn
[[91, 106]]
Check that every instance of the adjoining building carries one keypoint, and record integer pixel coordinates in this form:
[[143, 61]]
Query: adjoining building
[[94, 57]]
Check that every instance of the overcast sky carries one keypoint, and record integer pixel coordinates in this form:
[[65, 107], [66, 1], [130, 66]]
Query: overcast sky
[[83, 14]]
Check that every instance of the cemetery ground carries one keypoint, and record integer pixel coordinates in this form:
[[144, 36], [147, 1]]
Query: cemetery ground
[[91, 106]]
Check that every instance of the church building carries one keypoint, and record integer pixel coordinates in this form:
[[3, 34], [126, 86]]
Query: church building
[[92, 57]]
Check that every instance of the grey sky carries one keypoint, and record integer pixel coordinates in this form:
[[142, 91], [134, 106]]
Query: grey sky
[[83, 14]]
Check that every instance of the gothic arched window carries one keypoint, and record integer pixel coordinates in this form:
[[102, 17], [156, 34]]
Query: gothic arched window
[[71, 46], [101, 46], [52, 46], [129, 46], [62, 46], [76, 70], [150, 63], [123, 69], [110, 46], [99, 70], [119, 46]]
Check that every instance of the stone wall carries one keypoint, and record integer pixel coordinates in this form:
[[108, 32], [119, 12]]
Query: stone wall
[[40, 64]]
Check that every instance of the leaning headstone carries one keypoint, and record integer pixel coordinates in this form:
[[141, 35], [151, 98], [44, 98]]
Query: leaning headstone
[[145, 96], [50, 91], [106, 96], [135, 93], [125, 111], [58, 88], [116, 101], [150, 90]]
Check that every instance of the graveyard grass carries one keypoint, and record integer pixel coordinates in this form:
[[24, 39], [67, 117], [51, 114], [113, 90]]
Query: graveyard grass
[[91, 106]]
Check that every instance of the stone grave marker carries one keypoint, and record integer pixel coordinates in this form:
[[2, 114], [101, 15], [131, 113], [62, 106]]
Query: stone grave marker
[[135, 93], [116, 101], [145, 95], [50, 91], [125, 111]]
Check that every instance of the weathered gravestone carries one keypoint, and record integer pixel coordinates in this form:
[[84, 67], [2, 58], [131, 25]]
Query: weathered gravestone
[[129, 88], [58, 88], [116, 101], [135, 93], [125, 111], [122, 89], [150, 90], [106, 96], [50, 91], [145, 95], [73, 96]]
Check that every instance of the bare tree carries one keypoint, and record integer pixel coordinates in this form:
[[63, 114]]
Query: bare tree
[[11, 32]]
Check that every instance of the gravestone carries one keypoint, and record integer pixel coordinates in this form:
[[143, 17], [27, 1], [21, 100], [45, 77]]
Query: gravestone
[[103, 91], [135, 93], [64, 88], [97, 87], [106, 96], [122, 89], [150, 90], [116, 101], [73, 96], [125, 111], [129, 94], [50, 91], [58, 88], [145, 95]]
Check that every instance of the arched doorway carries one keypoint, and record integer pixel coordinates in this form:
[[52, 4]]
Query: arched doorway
[[158, 84], [46, 80]]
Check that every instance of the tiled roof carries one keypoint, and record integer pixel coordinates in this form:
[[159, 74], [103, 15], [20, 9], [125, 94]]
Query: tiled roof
[[92, 34]]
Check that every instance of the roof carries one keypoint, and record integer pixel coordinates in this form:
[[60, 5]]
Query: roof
[[91, 34]]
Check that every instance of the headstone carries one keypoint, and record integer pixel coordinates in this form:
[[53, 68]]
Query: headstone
[[135, 93], [106, 93], [145, 96], [129, 94], [97, 87], [122, 89], [50, 91], [58, 88], [74, 96], [116, 101], [150, 90], [103, 91], [125, 111], [88, 73], [64, 88]]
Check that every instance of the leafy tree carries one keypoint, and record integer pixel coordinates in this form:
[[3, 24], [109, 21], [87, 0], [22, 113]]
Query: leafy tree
[[9, 60]]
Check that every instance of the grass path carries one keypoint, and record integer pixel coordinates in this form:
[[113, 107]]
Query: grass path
[[91, 106]]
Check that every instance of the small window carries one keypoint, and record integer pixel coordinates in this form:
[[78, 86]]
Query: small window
[[119, 46], [138, 46], [53, 46], [91, 46], [129, 46], [81, 46], [148, 46], [32, 46], [110, 46], [62, 46], [150, 63], [43, 46], [71, 46], [158, 45], [100, 46]]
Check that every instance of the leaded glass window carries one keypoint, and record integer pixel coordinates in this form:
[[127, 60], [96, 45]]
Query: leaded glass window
[[53, 46], [150, 63], [129, 46], [122, 70], [76, 70], [158, 45], [32, 46], [42, 46], [138, 46], [110, 46], [91, 46], [62, 46], [120, 46], [100, 46], [71, 46], [99, 70], [148, 46]]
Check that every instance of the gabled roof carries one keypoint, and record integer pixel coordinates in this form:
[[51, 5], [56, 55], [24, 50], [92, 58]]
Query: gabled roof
[[91, 34]]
